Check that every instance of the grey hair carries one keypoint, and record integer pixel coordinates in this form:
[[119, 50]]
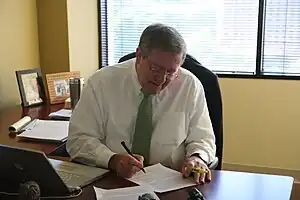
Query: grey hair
[[160, 36]]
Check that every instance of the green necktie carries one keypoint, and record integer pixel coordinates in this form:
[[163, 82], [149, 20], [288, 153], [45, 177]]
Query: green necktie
[[143, 128]]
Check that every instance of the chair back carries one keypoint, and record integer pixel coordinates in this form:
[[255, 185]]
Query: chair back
[[212, 90]]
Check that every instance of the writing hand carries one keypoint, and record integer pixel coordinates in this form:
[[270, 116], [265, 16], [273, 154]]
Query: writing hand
[[199, 177], [125, 165]]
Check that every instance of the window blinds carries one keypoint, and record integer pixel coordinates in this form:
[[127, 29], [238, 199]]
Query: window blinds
[[281, 38], [221, 34]]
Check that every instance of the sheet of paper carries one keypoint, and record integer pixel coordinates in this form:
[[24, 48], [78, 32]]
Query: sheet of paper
[[128, 193], [161, 179], [65, 113], [51, 130]]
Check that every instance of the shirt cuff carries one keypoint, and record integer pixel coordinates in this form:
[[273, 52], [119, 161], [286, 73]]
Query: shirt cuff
[[103, 158], [204, 156]]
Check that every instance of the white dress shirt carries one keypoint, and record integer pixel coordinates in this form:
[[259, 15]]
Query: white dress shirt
[[106, 113]]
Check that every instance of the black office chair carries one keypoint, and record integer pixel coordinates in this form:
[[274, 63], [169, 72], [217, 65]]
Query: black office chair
[[213, 97]]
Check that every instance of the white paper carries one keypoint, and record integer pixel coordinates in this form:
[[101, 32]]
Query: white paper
[[161, 179], [61, 113], [17, 126], [51, 130], [128, 193]]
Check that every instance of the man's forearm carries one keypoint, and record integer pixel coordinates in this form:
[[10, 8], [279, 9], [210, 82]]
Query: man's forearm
[[90, 151]]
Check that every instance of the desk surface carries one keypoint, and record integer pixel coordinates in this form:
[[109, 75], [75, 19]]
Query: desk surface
[[10, 116], [225, 185]]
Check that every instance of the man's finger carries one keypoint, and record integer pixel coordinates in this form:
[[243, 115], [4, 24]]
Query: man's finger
[[135, 162], [132, 171], [139, 158], [128, 169], [202, 178], [208, 176], [135, 170], [197, 177], [188, 169]]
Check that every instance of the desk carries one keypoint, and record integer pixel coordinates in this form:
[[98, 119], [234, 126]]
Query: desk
[[225, 185], [10, 116]]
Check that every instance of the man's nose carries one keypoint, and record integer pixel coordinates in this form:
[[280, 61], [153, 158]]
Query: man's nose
[[160, 78]]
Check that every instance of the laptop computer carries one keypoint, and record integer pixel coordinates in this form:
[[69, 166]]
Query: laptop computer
[[55, 178]]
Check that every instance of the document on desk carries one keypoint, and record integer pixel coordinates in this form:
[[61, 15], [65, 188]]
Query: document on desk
[[161, 179], [61, 114], [128, 193], [46, 130]]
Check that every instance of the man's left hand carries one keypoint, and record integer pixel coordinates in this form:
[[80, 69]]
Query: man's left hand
[[195, 162]]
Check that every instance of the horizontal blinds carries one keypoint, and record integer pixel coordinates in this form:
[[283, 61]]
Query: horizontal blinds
[[221, 34], [282, 38]]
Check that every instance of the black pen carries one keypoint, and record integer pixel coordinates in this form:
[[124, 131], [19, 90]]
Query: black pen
[[129, 152]]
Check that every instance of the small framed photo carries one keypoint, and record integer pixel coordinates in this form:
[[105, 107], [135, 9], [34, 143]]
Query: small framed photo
[[58, 86], [31, 87]]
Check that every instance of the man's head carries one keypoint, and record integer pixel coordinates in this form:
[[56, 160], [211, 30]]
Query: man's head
[[160, 54]]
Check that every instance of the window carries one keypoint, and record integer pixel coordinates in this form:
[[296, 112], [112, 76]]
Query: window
[[282, 38], [248, 37]]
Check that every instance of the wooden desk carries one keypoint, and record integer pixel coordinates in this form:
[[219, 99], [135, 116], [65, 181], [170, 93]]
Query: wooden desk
[[12, 115], [226, 185]]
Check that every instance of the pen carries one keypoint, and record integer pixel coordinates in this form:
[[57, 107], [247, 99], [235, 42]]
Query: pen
[[128, 151], [199, 170]]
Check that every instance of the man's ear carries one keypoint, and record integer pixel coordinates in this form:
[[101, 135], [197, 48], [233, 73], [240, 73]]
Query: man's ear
[[138, 55]]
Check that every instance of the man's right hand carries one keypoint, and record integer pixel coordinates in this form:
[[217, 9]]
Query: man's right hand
[[126, 165]]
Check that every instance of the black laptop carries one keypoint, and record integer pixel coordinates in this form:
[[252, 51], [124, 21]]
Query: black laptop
[[54, 177]]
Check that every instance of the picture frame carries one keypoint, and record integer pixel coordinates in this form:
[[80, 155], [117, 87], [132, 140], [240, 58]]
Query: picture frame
[[58, 86], [31, 87]]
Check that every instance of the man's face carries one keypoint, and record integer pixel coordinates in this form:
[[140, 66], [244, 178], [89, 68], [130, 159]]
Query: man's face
[[157, 70]]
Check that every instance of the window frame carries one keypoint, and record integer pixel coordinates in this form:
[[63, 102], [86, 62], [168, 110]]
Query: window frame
[[259, 50]]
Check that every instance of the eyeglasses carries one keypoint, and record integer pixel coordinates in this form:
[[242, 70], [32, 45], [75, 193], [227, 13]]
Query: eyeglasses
[[157, 69]]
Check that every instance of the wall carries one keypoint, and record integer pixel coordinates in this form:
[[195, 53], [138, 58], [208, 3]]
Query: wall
[[53, 35], [83, 36], [261, 122], [68, 36], [19, 46]]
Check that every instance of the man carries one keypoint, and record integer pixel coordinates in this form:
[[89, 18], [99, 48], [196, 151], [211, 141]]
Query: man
[[152, 104]]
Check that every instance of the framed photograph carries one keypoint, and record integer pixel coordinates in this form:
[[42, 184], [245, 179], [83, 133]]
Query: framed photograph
[[31, 87], [58, 86]]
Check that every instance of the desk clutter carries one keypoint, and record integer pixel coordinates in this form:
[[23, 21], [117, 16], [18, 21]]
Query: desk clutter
[[157, 178], [68, 178], [40, 130], [31, 175], [128, 193], [59, 87]]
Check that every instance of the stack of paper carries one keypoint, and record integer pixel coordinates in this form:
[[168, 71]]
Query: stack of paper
[[129, 193], [46, 130], [63, 114], [162, 179], [157, 178]]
